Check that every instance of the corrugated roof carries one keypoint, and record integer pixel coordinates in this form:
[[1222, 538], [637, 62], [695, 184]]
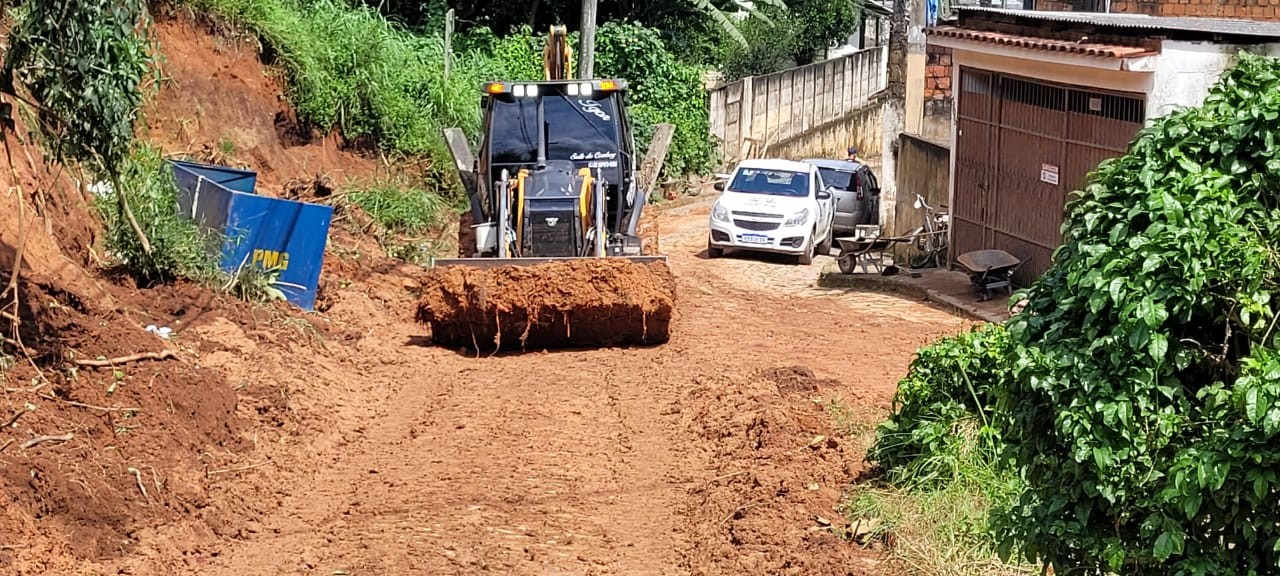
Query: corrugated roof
[[1226, 26], [876, 8], [1031, 42]]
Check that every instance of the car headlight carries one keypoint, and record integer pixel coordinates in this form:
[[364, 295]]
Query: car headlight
[[798, 218], [719, 213]]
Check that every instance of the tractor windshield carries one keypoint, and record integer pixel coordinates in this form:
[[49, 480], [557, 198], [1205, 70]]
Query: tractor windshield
[[583, 130]]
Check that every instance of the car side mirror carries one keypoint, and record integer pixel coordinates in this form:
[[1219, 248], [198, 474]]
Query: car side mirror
[[824, 194], [720, 186]]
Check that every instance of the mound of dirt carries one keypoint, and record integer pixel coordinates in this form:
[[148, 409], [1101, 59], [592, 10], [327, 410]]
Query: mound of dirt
[[596, 302], [770, 508]]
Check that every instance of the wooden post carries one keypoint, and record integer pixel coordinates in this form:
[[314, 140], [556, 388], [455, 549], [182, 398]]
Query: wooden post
[[651, 166], [587, 48], [448, 42]]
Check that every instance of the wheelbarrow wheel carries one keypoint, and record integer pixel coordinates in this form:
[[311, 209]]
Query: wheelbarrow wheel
[[846, 263]]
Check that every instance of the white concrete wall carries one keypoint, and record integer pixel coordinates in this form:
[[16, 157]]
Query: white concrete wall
[[1184, 72]]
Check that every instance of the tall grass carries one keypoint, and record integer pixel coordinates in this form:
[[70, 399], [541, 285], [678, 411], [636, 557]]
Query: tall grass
[[349, 67], [399, 207], [938, 531], [179, 248], [940, 451]]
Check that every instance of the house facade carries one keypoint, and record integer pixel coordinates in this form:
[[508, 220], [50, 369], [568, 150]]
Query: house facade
[[1040, 98]]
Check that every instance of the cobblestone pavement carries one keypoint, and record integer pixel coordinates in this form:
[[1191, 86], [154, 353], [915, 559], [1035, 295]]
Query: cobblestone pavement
[[684, 237]]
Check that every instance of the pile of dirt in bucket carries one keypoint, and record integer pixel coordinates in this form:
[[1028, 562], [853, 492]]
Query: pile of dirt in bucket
[[575, 303]]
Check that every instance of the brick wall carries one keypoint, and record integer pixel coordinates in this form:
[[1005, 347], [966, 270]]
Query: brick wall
[[937, 73]]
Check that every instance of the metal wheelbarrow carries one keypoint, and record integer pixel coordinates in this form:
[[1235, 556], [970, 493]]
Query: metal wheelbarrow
[[989, 270], [866, 248]]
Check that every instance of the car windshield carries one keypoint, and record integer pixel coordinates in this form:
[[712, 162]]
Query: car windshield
[[838, 179], [771, 182], [578, 129]]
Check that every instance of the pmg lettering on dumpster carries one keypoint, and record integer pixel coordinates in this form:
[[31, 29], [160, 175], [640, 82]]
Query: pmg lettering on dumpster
[[270, 259]]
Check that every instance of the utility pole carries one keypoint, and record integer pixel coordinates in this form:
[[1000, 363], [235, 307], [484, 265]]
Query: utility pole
[[587, 50]]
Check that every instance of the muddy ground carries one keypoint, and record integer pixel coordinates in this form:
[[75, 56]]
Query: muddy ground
[[712, 454]]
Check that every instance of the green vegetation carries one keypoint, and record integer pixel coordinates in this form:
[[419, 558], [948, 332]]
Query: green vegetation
[[1148, 433], [939, 531], [85, 62], [403, 216], [349, 68], [940, 451], [943, 420], [179, 248], [662, 90], [1125, 419], [779, 38]]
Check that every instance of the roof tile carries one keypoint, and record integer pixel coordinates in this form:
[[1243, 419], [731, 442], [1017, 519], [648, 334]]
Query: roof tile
[[1031, 42]]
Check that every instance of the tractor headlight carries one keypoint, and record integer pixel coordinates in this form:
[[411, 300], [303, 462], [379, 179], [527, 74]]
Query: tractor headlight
[[798, 218], [719, 213]]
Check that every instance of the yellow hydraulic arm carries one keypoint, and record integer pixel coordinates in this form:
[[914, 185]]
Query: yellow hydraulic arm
[[557, 58]]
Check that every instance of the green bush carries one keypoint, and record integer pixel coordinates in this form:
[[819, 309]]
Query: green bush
[[943, 418], [179, 248], [399, 207], [1144, 417]]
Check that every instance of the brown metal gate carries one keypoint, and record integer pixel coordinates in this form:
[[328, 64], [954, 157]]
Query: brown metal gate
[[1021, 147]]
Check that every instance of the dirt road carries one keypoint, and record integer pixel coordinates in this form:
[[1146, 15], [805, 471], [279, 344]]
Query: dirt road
[[712, 454]]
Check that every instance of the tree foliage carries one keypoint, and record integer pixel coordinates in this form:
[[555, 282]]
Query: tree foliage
[[663, 89], [85, 62], [778, 38], [1145, 415]]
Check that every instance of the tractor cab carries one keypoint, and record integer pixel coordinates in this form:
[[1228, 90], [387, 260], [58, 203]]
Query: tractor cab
[[549, 145]]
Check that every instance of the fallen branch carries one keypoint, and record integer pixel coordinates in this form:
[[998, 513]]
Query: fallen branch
[[6, 547], [138, 477], [110, 362], [209, 473], [42, 439], [725, 477], [14, 420], [6, 444], [741, 509], [102, 408], [32, 390]]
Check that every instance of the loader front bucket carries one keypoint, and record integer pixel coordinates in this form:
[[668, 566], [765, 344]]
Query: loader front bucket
[[491, 303]]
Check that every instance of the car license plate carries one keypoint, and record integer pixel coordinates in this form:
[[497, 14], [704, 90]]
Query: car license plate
[[754, 239]]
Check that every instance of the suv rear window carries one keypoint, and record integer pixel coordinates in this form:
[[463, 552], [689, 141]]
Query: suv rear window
[[838, 179]]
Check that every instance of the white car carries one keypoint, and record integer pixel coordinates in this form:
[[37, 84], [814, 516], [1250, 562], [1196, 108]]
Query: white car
[[772, 205]]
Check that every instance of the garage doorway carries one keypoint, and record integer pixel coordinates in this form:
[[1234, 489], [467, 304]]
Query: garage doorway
[[1022, 146]]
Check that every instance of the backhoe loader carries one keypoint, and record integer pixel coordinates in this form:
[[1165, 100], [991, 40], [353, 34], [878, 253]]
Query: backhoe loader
[[550, 249]]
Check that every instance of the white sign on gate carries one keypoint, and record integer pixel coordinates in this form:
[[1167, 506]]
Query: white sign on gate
[[1049, 174]]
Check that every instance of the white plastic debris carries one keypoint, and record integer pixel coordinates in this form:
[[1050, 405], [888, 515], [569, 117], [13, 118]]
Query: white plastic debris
[[163, 331], [101, 189]]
